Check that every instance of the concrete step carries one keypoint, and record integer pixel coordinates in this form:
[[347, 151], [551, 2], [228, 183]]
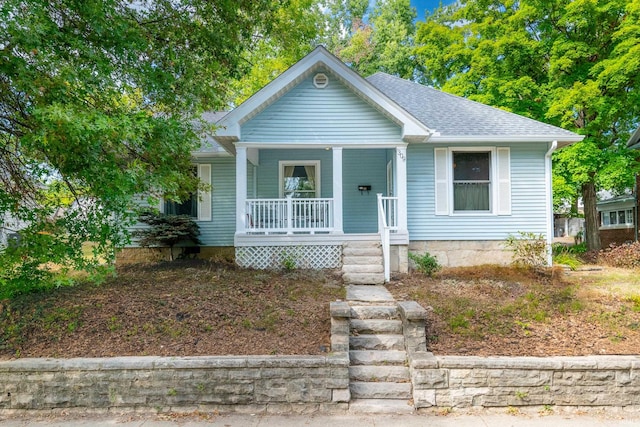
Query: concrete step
[[360, 260], [362, 268], [378, 312], [363, 278], [377, 342], [362, 244], [362, 251], [381, 406], [374, 373], [380, 390], [378, 357], [376, 326]]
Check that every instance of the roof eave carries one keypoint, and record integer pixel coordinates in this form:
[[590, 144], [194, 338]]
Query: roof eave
[[563, 140], [634, 141]]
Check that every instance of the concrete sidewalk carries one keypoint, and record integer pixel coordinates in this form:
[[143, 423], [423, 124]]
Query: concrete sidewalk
[[499, 418]]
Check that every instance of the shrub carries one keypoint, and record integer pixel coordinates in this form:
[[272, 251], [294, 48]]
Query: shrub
[[529, 249], [167, 230], [625, 256], [425, 263]]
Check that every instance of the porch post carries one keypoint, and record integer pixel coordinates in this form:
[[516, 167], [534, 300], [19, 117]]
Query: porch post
[[401, 186], [337, 190], [241, 189]]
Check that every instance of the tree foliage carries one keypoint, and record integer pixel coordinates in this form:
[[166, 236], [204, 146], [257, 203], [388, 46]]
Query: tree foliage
[[100, 98], [373, 39], [574, 63]]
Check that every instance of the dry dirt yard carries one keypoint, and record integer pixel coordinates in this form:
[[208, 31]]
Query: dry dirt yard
[[511, 312], [175, 309], [189, 308]]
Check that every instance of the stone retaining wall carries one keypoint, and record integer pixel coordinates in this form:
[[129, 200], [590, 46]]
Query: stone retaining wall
[[254, 383], [461, 381], [467, 381]]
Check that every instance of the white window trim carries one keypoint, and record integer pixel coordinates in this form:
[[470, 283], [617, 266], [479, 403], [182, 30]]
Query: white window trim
[[618, 226], [283, 163], [494, 186], [203, 202]]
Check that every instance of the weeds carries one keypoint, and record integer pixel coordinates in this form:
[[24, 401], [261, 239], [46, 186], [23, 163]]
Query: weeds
[[425, 263], [529, 249]]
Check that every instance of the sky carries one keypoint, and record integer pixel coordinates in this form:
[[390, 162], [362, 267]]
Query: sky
[[430, 5]]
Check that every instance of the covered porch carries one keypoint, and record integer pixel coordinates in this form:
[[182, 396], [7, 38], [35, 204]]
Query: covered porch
[[318, 198]]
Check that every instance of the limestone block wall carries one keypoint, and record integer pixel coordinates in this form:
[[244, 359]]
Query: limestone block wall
[[461, 253], [256, 383], [462, 381]]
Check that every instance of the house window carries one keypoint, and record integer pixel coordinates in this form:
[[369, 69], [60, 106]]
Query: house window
[[198, 205], [613, 218], [300, 179], [471, 181]]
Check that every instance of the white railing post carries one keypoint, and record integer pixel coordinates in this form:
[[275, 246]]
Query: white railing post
[[289, 214], [383, 229]]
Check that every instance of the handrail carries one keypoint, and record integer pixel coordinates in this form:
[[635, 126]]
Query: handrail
[[384, 230]]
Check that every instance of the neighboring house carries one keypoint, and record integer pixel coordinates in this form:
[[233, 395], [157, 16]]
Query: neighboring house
[[634, 144], [617, 219], [9, 229], [321, 158]]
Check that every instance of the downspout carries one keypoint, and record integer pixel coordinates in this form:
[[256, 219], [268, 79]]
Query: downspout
[[549, 194]]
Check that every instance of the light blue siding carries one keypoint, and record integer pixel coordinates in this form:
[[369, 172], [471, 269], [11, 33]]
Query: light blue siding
[[331, 114], [362, 167], [221, 229], [268, 185], [527, 199]]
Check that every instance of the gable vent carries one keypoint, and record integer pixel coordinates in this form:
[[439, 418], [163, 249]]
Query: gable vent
[[320, 80]]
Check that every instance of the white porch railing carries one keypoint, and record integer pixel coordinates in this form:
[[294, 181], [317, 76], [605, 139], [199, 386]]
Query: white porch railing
[[289, 215], [387, 223]]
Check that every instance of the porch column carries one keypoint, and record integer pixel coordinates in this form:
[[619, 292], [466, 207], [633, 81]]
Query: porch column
[[401, 187], [337, 190], [241, 188]]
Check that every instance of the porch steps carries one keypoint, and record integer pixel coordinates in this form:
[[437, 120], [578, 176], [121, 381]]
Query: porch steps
[[378, 373], [362, 263]]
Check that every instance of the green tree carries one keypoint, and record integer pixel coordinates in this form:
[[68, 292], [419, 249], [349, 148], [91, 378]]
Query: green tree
[[100, 98], [295, 29], [573, 63], [380, 39]]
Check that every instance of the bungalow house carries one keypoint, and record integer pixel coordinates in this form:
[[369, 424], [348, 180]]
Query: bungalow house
[[324, 168]]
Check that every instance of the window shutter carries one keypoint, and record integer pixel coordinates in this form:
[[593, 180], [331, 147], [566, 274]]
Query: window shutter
[[503, 174], [204, 197], [441, 166]]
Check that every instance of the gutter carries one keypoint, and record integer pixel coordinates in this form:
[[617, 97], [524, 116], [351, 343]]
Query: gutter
[[549, 195]]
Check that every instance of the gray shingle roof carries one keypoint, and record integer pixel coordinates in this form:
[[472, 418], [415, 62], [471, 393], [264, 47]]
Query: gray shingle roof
[[451, 115]]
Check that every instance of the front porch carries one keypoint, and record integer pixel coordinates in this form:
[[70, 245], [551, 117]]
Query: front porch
[[304, 203]]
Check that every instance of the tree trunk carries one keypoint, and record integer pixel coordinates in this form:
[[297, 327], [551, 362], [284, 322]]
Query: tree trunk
[[591, 232]]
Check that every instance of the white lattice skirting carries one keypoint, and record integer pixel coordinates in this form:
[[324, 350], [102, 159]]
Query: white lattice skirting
[[304, 256]]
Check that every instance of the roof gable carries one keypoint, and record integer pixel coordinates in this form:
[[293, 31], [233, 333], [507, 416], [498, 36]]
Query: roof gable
[[229, 131], [330, 114]]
